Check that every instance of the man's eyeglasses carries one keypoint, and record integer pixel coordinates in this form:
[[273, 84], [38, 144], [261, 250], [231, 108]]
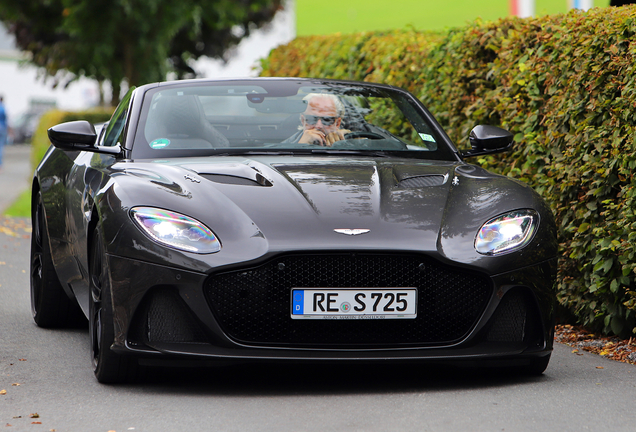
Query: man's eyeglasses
[[327, 121]]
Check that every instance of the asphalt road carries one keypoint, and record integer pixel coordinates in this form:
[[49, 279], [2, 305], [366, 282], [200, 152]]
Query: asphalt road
[[56, 382]]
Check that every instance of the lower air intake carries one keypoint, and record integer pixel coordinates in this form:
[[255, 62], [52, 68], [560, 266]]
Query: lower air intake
[[163, 317], [516, 319]]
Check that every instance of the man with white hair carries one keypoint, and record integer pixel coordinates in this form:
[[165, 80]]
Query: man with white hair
[[321, 121]]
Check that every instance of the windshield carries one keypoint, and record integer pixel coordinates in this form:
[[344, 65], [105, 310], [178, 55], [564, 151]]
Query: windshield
[[233, 117]]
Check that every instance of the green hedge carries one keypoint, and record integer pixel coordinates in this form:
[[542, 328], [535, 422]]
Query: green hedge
[[566, 86], [40, 142]]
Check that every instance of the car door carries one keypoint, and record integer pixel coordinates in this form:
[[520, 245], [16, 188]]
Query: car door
[[88, 175]]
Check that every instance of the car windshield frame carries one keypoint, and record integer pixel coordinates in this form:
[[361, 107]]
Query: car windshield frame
[[282, 100]]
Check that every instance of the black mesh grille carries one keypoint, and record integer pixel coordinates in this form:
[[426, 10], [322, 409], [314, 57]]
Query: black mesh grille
[[162, 317], [515, 319], [253, 305]]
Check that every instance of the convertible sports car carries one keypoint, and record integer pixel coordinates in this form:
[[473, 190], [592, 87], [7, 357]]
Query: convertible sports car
[[288, 219]]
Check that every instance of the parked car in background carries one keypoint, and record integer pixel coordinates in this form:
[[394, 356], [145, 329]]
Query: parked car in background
[[25, 125]]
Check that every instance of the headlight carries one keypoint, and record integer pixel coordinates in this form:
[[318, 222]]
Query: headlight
[[176, 230], [507, 232]]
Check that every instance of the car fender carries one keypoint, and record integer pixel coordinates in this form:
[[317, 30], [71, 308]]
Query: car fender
[[477, 196]]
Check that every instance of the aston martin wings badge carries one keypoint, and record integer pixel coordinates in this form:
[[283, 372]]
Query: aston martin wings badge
[[352, 232]]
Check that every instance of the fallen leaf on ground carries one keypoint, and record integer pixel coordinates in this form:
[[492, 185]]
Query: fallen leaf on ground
[[600, 367], [610, 347], [34, 415], [15, 384], [3, 392], [21, 359], [36, 422]]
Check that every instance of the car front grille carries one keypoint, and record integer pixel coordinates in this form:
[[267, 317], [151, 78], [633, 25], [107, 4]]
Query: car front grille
[[252, 305]]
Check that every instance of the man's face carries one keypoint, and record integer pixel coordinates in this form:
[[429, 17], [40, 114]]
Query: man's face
[[318, 108]]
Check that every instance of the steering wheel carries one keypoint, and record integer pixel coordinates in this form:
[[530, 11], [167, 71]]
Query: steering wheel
[[363, 134]]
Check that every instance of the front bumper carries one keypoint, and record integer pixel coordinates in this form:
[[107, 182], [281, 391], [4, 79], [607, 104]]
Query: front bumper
[[167, 313]]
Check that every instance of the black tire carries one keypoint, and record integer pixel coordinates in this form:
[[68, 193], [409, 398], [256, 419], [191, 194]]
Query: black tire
[[109, 367], [50, 305]]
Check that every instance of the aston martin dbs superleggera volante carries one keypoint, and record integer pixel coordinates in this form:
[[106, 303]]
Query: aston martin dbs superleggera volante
[[288, 219]]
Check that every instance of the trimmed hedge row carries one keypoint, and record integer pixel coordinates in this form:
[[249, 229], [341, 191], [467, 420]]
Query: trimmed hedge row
[[566, 86]]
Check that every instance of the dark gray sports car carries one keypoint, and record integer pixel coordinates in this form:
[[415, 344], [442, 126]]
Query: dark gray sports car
[[288, 219]]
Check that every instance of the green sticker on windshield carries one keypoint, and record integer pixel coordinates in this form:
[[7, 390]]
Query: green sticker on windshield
[[427, 137], [160, 143]]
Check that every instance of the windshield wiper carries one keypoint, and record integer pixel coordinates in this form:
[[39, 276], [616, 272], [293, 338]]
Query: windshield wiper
[[374, 153], [260, 152], [308, 151]]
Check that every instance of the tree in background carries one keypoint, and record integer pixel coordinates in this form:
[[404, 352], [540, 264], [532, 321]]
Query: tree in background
[[136, 41]]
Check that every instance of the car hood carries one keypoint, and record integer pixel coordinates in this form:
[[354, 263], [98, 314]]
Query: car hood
[[268, 204]]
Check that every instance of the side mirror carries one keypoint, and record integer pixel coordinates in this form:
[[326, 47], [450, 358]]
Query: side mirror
[[486, 140], [78, 136]]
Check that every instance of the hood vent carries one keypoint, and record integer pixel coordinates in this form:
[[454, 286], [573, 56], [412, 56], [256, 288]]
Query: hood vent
[[258, 179], [422, 181]]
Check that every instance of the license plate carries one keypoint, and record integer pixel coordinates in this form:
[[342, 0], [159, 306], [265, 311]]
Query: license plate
[[354, 303]]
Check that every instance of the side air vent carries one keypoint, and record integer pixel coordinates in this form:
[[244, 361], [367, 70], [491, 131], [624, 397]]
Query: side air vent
[[421, 181]]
